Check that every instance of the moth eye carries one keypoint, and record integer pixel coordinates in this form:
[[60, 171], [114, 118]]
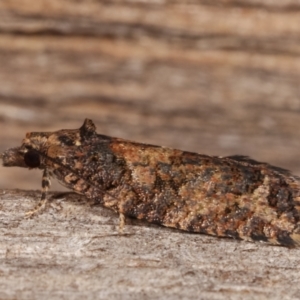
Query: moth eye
[[32, 158]]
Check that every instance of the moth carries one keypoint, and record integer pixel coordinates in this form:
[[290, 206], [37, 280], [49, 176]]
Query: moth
[[231, 196]]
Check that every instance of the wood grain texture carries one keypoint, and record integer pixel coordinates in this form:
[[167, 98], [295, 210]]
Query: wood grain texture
[[215, 77], [74, 251]]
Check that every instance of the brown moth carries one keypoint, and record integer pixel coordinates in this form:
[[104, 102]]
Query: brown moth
[[222, 196]]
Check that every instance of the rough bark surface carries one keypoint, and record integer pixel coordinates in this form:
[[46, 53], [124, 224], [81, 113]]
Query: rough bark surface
[[214, 77]]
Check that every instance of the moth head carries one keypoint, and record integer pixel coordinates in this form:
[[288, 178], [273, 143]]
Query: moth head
[[41, 148], [21, 157], [29, 154]]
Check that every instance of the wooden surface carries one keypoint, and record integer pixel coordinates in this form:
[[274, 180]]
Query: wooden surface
[[215, 77], [73, 251]]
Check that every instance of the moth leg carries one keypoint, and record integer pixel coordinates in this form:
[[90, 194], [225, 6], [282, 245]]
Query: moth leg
[[42, 203], [122, 223]]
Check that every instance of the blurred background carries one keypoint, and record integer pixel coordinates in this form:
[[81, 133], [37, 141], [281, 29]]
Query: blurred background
[[214, 77]]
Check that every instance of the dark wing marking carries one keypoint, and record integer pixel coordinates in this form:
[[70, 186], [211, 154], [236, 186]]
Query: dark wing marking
[[253, 162]]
